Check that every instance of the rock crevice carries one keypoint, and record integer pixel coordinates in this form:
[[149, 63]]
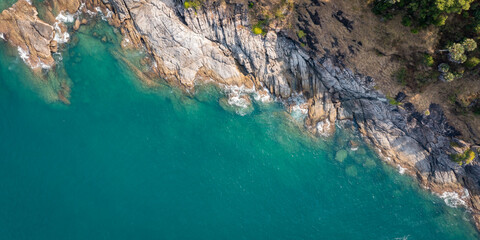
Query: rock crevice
[[219, 37], [214, 42]]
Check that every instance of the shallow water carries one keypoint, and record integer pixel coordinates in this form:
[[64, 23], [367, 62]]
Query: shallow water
[[4, 4], [124, 161]]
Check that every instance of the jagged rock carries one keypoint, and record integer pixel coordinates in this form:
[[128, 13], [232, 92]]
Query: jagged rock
[[341, 155], [182, 55], [400, 96], [53, 46], [24, 30], [70, 6], [76, 25], [216, 43]]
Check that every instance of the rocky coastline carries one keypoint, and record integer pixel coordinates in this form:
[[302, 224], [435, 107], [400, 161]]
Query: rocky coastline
[[214, 42]]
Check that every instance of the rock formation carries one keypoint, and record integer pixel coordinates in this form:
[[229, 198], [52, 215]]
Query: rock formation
[[22, 28], [214, 42], [218, 38]]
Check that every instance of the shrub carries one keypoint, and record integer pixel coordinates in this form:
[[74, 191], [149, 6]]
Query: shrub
[[279, 14], [401, 75], [392, 101], [443, 68], [192, 4], [422, 13], [472, 62], [341, 155], [406, 21], [428, 60], [463, 158], [469, 44], [448, 77], [257, 30], [476, 28], [301, 34], [441, 20], [457, 53]]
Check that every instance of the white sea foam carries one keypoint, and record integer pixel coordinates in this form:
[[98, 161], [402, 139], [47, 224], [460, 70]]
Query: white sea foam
[[322, 127], [238, 97], [466, 194], [238, 89], [401, 170], [2, 36], [66, 17], [262, 96], [60, 37], [104, 17], [452, 199], [62, 17], [25, 56], [298, 106], [238, 101]]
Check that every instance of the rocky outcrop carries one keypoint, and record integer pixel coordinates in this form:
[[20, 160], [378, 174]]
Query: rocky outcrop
[[217, 38], [214, 42], [22, 28], [182, 55]]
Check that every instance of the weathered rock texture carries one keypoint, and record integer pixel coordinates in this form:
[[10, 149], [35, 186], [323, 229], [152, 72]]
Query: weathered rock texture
[[215, 42], [21, 27], [216, 38]]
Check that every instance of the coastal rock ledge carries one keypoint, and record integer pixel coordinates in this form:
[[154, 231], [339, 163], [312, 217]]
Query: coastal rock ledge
[[214, 42]]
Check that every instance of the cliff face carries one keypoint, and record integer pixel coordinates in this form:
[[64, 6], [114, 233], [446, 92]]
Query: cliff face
[[217, 39], [21, 26], [215, 42]]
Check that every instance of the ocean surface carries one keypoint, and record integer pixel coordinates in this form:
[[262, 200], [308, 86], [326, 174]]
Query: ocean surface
[[127, 161]]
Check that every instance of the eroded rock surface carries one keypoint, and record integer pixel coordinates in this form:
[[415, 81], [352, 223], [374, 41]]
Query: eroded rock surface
[[22, 28], [218, 37], [214, 42]]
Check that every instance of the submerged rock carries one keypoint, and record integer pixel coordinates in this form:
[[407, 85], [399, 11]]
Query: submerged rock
[[351, 171], [215, 43], [370, 163], [76, 25], [53, 46], [341, 155], [23, 29]]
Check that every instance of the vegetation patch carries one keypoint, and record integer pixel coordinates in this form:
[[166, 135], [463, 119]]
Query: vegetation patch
[[428, 60], [257, 30], [301, 34], [463, 158], [392, 101], [195, 4], [472, 62], [401, 76]]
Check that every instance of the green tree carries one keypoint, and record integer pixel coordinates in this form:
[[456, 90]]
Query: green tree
[[448, 77], [472, 62], [457, 53], [301, 34], [463, 158], [257, 30], [443, 68], [421, 12], [428, 60], [469, 44]]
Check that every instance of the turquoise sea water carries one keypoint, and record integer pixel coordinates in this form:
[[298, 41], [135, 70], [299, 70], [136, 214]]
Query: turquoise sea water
[[124, 161]]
